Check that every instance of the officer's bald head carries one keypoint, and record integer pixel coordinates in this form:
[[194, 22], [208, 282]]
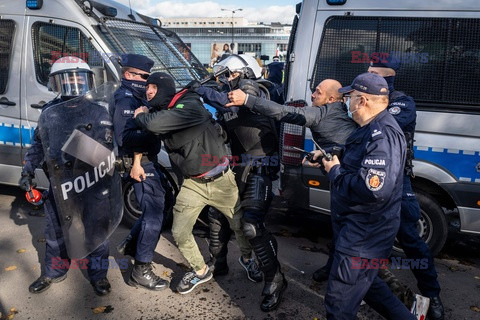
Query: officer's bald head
[[326, 92]]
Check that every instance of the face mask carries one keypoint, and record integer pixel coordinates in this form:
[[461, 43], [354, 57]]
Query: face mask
[[349, 113], [137, 87]]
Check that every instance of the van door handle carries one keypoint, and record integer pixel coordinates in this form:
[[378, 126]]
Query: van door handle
[[5, 101], [38, 105]]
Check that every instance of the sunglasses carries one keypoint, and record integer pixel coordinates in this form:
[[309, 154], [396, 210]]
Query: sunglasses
[[144, 76]]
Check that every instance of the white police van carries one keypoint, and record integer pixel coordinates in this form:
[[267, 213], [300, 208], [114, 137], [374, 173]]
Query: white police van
[[439, 45], [34, 33]]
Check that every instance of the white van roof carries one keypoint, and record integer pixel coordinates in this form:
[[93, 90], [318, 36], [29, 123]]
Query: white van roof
[[67, 10], [402, 5]]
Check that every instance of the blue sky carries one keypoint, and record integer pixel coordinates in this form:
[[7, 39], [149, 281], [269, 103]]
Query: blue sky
[[255, 11]]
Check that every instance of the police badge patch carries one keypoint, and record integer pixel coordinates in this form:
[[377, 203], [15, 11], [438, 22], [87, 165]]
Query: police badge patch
[[375, 179], [394, 110]]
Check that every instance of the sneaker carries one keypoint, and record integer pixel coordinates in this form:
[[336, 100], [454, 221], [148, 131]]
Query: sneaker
[[191, 280], [253, 273]]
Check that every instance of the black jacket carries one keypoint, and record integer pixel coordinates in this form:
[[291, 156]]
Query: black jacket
[[330, 124], [192, 138]]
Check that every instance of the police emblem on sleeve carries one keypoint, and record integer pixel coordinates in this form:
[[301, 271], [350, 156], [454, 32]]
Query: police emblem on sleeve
[[375, 179], [394, 110]]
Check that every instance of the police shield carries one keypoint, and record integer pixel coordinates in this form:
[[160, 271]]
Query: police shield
[[77, 139]]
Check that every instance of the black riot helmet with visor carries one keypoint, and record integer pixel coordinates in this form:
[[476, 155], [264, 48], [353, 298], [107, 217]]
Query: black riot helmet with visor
[[71, 77]]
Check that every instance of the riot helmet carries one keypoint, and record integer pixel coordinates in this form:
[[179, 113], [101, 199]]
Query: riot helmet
[[71, 77], [244, 64]]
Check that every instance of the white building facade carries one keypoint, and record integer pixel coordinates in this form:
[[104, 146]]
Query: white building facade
[[209, 38]]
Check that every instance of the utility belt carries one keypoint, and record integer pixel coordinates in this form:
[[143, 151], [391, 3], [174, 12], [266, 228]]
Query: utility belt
[[124, 163], [214, 173]]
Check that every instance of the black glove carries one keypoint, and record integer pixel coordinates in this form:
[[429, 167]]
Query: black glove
[[25, 182], [193, 85], [249, 87]]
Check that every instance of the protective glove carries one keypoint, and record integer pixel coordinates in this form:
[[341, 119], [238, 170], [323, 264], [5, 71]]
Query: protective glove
[[193, 85], [25, 182], [249, 87]]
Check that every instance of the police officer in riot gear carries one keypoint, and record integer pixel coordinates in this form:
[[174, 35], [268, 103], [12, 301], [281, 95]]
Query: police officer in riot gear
[[71, 78], [254, 144], [138, 150], [402, 108]]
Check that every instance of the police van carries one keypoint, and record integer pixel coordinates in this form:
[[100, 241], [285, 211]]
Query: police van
[[35, 33], [438, 43]]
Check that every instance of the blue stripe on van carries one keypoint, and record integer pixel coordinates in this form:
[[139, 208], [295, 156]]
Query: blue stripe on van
[[9, 134], [462, 166], [27, 135]]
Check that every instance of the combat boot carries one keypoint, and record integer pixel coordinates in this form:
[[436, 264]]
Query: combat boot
[[272, 292], [436, 311], [143, 276]]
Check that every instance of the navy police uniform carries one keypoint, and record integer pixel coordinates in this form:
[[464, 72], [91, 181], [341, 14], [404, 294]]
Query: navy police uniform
[[55, 242], [365, 208], [402, 108], [130, 138]]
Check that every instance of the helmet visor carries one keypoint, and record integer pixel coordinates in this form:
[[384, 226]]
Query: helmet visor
[[72, 83]]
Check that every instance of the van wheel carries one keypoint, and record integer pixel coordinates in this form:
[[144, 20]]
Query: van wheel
[[432, 225]]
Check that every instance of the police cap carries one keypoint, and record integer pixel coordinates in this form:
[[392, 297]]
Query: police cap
[[137, 61], [368, 83]]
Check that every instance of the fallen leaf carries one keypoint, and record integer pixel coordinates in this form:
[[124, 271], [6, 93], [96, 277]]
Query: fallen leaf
[[21, 250], [453, 268], [102, 309], [477, 277], [165, 274], [10, 268], [41, 240], [13, 312], [475, 308]]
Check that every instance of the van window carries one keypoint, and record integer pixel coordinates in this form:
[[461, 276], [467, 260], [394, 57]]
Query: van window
[[7, 28], [440, 56], [53, 41], [161, 45]]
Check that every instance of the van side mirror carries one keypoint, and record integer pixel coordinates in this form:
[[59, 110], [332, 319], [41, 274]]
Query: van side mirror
[[100, 75]]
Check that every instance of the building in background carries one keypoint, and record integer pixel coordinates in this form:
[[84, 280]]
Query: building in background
[[209, 38]]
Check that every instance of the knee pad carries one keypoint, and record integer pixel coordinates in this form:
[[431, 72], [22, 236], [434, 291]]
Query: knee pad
[[220, 232], [249, 230], [258, 193]]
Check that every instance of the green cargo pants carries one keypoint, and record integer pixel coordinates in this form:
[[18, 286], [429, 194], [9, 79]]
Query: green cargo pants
[[222, 193]]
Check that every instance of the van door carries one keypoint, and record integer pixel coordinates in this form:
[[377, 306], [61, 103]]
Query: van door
[[11, 36]]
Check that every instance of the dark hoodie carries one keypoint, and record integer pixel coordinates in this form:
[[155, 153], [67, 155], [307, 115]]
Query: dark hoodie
[[188, 130]]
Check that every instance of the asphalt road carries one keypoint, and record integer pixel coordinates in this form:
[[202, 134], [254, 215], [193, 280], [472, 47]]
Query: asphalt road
[[302, 249]]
